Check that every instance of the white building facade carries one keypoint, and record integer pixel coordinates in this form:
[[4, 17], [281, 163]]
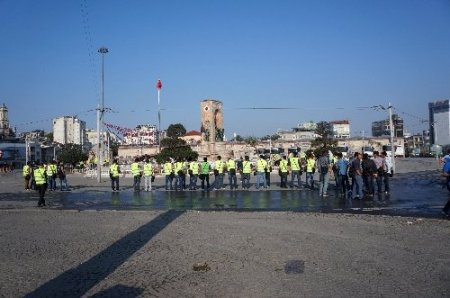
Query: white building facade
[[69, 130], [306, 131], [297, 135], [440, 122], [341, 129], [144, 134]]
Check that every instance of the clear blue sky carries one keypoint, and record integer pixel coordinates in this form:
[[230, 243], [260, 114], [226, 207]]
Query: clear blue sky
[[322, 58]]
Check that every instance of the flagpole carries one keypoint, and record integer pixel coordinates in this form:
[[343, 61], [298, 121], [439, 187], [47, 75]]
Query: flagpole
[[159, 86], [159, 120]]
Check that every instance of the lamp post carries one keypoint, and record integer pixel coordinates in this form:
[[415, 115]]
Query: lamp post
[[270, 145], [27, 149], [391, 131], [108, 136], [100, 114]]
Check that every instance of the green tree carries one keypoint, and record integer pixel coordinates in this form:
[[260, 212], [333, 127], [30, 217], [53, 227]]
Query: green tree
[[175, 147], [238, 138], [176, 130], [252, 141], [270, 137], [172, 143], [325, 140], [71, 153], [49, 136], [178, 153]]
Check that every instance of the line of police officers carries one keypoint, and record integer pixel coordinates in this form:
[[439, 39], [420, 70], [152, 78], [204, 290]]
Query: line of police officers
[[177, 171], [43, 176]]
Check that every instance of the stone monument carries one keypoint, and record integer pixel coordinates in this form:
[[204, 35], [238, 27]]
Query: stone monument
[[212, 130]]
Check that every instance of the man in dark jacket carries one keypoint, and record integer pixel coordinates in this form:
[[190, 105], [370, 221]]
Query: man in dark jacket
[[369, 172]]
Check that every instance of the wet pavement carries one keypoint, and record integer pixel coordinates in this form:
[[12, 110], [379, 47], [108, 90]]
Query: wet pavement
[[412, 194]]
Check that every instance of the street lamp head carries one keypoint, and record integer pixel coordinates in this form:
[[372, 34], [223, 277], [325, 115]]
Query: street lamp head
[[103, 50]]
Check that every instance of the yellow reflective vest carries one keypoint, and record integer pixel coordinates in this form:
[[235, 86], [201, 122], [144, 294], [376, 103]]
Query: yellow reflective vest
[[268, 166], [205, 168], [135, 170], [148, 169], [167, 168], [231, 164], [310, 164], [114, 170], [40, 176], [178, 167], [295, 163], [51, 169], [246, 167], [193, 166], [219, 166], [26, 170], [261, 165], [284, 166]]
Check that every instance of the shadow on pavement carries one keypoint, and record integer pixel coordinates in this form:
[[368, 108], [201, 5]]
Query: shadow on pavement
[[77, 281]]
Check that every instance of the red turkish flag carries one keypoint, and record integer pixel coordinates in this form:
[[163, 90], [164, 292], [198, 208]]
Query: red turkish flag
[[159, 85]]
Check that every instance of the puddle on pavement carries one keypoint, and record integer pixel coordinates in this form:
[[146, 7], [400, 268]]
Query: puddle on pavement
[[294, 267], [410, 195], [276, 200]]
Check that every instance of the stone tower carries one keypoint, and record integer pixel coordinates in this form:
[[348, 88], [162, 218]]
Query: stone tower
[[211, 112], [4, 122]]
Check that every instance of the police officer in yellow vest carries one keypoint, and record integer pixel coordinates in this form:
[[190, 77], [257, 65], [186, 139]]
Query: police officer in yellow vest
[[232, 178], [283, 171], [261, 166], [294, 163], [137, 174], [193, 173], [27, 175], [179, 175], [246, 171], [310, 170], [219, 166], [148, 175], [168, 173], [114, 172], [302, 158], [51, 175], [204, 176], [40, 177]]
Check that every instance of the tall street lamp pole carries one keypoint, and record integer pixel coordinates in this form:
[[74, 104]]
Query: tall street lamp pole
[[391, 132], [100, 115], [27, 149]]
